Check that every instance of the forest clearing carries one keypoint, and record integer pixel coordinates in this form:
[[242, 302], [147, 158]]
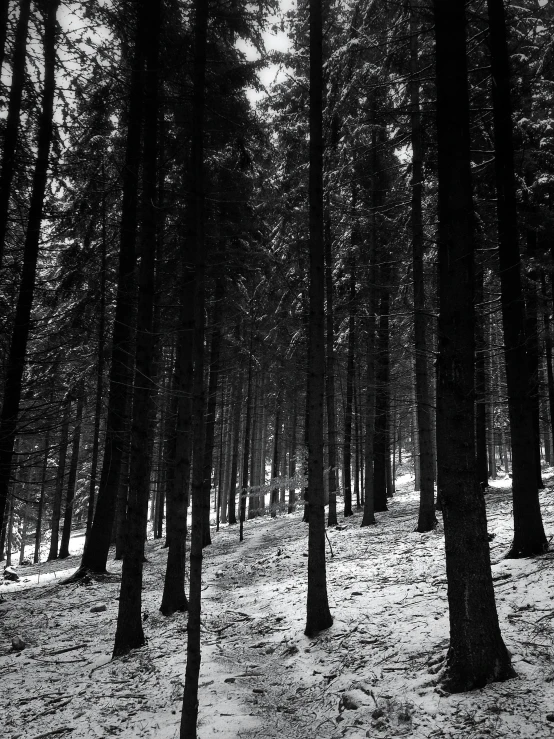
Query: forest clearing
[[372, 674]]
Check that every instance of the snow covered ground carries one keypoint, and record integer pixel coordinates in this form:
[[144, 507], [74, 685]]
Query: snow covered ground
[[371, 675]]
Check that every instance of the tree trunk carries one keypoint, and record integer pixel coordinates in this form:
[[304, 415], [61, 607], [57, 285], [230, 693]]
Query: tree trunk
[[368, 518], [213, 382], [99, 362], [190, 695], [318, 615], [246, 444], [4, 16], [275, 461], [72, 480], [477, 654], [426, 517], [60, 476], [236, 408], [330, 375], [129, 633], [13, 115], [480, 382], [347, 448], [529, 536], [40, 509], [548, 352], [380, 444], [97, 547], [15, 361]]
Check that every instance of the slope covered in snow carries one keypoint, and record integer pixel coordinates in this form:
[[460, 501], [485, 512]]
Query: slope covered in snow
[[372, 674]]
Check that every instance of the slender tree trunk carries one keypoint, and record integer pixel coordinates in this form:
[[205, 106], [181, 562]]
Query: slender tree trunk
[[190, 695], [4, 17], [380, 444], [60, 476], [15, 361], [318, 615], [532, 334], [347, 449], [213, 382], [9, 537], [275, 461], [480, 382], [548, 352], [72, 480], [99, 361], [40, 509], [246, 444], [368, 518], [129, 633], [14, 109], [529, 536], [426, 517], [292, 456], [236, 408], [95, 555], [477, 654], [330, 375]]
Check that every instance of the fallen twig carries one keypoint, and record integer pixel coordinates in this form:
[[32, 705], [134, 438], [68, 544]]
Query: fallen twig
[[61, 730]]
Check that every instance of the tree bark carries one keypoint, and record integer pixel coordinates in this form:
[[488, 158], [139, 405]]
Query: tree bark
[[236, 408], [529, 536], [347, 449], [480, 382], [330, 374], [15, 361], [318, 615], [40, 509], [477, 654]]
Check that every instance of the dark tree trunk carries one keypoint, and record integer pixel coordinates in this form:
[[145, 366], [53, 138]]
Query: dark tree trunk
[[99, 362], [60, 476], [380, 444], [426, 517], [529, 536], [548, 352], [190, 695], [533, 352], [330, 375], [480, 382], [40, 509], [477, 654], [247, 434], [15, 360], [368, 518], [72, 479], [180, 450], [13, 115], [318, 615], [213, 382], [97, 547], [347, 449], [236, 408], [275, 461], [292, 456], [129, 633]]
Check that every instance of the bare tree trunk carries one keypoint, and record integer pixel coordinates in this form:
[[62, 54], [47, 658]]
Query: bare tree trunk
[[347, 448], [477, 654], [40, 509], [318, 615], [330, 375], [529, 536]]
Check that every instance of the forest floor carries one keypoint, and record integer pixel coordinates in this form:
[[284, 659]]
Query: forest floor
[[371, 675]]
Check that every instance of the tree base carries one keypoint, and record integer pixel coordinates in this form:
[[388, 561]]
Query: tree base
[[316, 625], [528, 549]]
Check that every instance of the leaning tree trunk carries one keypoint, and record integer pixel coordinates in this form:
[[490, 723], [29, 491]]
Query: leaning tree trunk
[[477, 654], [426, 517], [14, 110], [318, 615], [95, 555], [189, 714], [129, 633], [72, 479], [529, 536], [15, 360]]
